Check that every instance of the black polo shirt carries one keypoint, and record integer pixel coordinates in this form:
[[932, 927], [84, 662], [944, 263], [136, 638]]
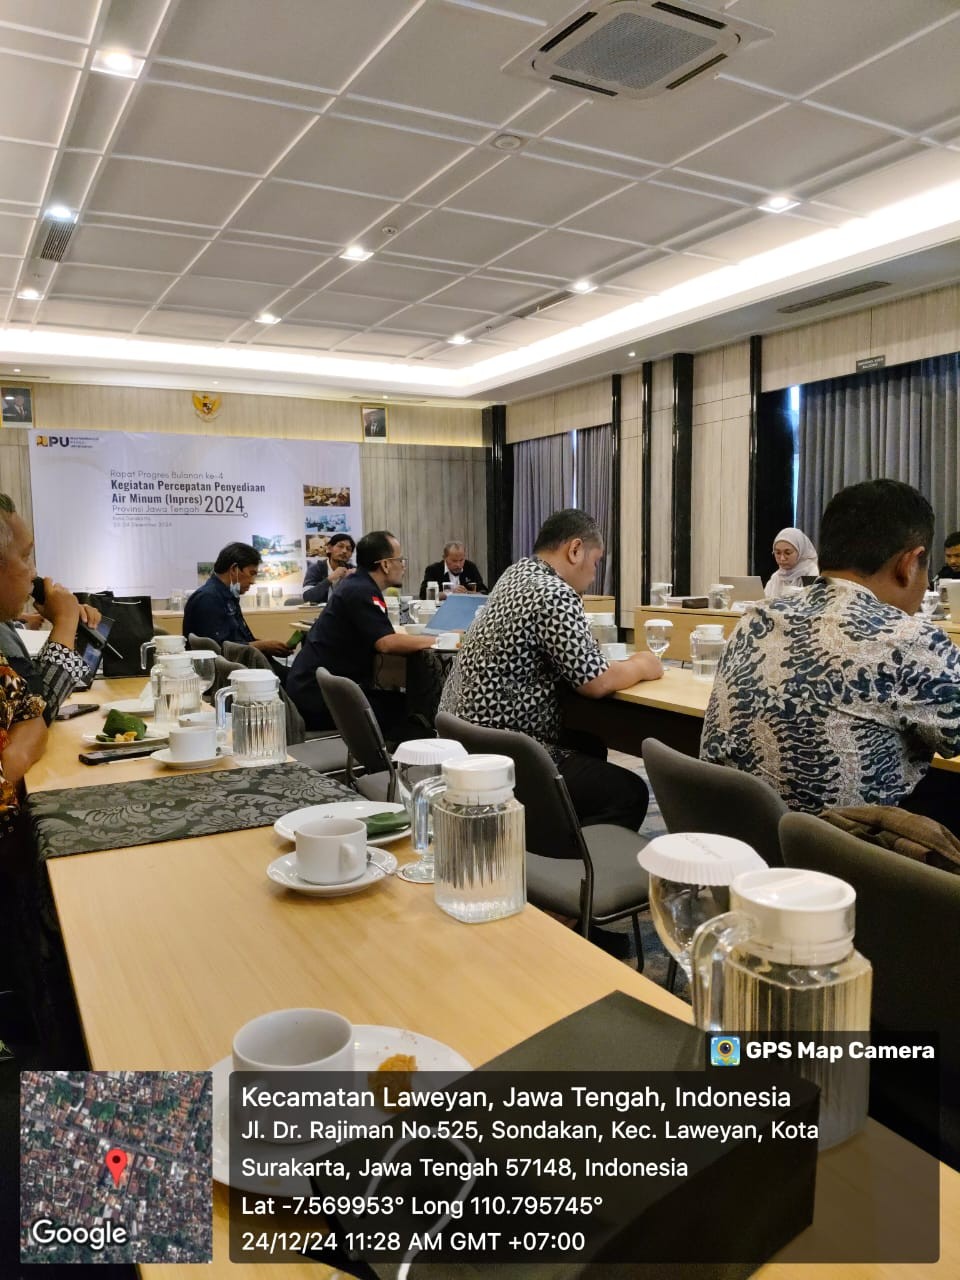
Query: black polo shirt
[[342, 639]]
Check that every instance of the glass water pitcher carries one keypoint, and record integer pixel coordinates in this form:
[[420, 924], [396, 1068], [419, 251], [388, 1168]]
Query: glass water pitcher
[[259, 717], [160, 645], [176, 689], [782, 962], [478, 836]]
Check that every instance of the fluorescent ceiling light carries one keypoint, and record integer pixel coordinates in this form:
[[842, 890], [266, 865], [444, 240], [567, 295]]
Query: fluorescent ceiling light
[[267, 317], [778, 204], [356, 253], [582, 286], [30, 295], [60, 213], [459, 340], [115, 62]]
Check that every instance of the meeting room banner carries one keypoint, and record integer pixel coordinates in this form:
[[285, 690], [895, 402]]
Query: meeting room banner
[[147, 513]]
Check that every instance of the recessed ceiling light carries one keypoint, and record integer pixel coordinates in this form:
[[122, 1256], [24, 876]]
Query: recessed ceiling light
[[29, 295], [632, 354], [114, 62], [267, 317], [508, 142], [356, 253], [60, 213], [778, 204], [459, 340], [583, 286], [16, 370]]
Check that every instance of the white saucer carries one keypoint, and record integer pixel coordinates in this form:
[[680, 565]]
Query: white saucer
[[129, 706], [286, 827], [371, 1046], [164, 757], [148, 737], [284, 871]]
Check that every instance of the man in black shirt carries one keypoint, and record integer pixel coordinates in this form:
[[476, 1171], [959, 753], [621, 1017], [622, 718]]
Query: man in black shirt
[[350, 632], [213, 610], [454, 573], [951, 556]]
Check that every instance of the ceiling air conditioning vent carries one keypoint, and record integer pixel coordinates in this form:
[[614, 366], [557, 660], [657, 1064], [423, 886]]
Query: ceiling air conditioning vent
[[840, 296], [544, 304], [54, 238], [634, 48]]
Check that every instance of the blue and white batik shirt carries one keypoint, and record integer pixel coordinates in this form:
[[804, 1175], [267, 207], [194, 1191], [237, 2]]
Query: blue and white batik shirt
[[834, 698]]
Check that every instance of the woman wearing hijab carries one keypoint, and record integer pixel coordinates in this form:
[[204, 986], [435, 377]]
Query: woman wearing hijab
[[796, 558]]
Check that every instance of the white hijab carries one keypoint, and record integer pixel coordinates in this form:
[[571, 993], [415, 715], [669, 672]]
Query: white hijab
[[806, 566]]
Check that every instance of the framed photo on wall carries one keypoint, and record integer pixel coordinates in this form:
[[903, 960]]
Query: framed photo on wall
[[374, 421], [17, 405]]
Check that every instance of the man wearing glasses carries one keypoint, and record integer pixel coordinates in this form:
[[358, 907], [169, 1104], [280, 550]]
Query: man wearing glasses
[[349, 634]]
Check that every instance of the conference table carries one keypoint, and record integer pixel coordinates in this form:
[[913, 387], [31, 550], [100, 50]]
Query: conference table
[[266, 624], [173, 946]]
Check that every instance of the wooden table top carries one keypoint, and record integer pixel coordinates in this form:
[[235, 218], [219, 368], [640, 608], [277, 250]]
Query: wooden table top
[[199, 941], [677, 690]]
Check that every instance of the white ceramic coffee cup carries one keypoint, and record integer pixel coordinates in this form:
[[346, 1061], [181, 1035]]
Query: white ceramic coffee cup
[[615, 652], [192, 742], [331, 850], [415, 628], [448, 640], [294, 1040]]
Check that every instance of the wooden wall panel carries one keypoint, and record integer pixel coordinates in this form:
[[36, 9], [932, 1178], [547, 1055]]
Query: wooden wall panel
[[912, 328], [426, 496], [732, 485], [631, 522], [15, 470], [661, 471], [574, 409]]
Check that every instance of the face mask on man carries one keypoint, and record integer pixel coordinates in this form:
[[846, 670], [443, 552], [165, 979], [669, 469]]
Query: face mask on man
[[235, 588]]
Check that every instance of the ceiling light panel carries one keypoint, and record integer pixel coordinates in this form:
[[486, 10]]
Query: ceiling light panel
[[117, 62]]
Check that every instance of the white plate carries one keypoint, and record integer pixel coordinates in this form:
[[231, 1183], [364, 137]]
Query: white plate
[[164, 757], [129, 706], [150, 736], [371, 1045], [284, 871], [286, 827]]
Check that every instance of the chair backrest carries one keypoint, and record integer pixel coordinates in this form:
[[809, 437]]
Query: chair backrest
[[553, 829], [202, 642], [696, 796], [246, 655], [289, 601], [355, 722], [221, 673], [908, 927]]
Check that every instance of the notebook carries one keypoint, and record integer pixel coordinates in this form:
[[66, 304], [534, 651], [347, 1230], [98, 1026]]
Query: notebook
[[456, 613]]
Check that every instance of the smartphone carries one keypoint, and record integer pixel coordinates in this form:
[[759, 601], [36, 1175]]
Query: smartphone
[[75, 709], [115, 753], [39, 594]]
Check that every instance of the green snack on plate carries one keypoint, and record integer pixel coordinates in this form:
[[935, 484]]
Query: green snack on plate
[[119, 722], [382, 824]]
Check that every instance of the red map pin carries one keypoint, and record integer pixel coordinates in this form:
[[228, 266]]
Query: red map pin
[[116, 1162]]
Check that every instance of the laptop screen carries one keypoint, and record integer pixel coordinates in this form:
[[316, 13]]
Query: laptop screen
[[90, 644], [456, 613]]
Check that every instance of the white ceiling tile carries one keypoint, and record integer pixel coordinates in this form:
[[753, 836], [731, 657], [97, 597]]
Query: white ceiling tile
[[442, 322], [787, 149], [481, 294], [581, 308], [101, 101], [661, 130], [309, 337], [120, 247], [417, 68], [309, 213], [42, 45], [887, 88], [459, 237], [109, 282], [931, 168], [520, 332], [535, 190], [378, 279], [191, 126], [15, 233], [25, 171], [133, 26], [654, 277], [9, 271], [169, 323], [235, 261], [379, 343], [475, 163], [167, 191], [220, 295], [73, 179], [64, 313], [765, 232], [821, 38], [35, 97], [650, 213], [368, 157], [567, 255], [333, 308], [74, 19], [286, 39]]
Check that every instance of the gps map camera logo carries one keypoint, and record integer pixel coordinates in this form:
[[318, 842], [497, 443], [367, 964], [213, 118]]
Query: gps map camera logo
[[725, 1051]]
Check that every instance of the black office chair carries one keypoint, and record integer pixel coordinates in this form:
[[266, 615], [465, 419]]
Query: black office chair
[[590, 873], [203, 642], [358, 727], [908, 927]]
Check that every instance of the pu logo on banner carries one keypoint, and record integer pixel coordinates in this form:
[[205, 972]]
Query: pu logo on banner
[[206, 406]]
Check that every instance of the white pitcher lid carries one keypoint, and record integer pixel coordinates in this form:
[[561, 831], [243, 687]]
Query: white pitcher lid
[[480, 779], [429, 751], [801, 917], [694, 857], [658, 622]]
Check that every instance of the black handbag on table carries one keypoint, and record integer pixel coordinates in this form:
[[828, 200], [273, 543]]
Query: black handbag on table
[[132, 626]]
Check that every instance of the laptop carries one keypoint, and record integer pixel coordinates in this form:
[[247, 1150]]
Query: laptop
[[91, 642], [456, 613], [750, 588]]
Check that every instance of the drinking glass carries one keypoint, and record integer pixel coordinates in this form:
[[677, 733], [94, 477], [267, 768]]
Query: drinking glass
[[658, 635], [930, 602], [206, 669]]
